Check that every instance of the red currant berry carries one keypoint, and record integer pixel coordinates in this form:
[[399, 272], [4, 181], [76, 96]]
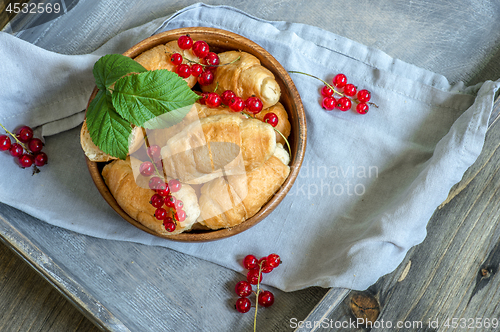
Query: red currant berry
[[212, 59], [26, 160], [273, 260], [185, 42], [344, 104], [40, 159], [213, 100], [203, 98], [196, 69], [175, 185], [170, 201], [179, 204], [266, 268], [243, 288], [250, 262], [364, 96], [163, 190], [206, 78], [5, 143], [362, 108], [350, 90], [183, 70], [146, 168], [160, 213], [227, 96], [243, 305], [154, 152], [271, 118], [16, 150], [237, 104], [200, 49], [155, 183], [35, 145], [254, 105], [266, 299], [176, 59], [329, 103], [254, 276], [24, 134], [169, 224], [180, 215], [157, 200], [340, 80], [326, 91]]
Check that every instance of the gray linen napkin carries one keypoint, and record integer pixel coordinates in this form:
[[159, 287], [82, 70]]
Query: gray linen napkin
[[368, 185]]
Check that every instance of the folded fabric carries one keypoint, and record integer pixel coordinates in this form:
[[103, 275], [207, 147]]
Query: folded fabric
[[368, 184]]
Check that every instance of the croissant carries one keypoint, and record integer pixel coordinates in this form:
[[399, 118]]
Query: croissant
[[283, 126], [134, 199], [159, 58], [226, 202], [246, 77], [93, 152], [218, 145]]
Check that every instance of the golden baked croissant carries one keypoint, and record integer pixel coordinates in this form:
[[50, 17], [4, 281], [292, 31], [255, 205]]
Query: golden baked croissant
[[283, 126], [218, 145], [134, 199], [226, 202], [159, 58], [246, 77]]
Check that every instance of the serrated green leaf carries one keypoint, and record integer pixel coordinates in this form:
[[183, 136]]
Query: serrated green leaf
[[142, 98], [109, 68], [107, 129]]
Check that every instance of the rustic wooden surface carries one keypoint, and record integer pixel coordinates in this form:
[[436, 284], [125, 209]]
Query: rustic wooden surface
[[452, 274]]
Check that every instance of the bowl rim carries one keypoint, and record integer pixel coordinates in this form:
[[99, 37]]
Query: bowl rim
[[299, 142]]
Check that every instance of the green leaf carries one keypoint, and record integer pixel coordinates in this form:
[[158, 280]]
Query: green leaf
[[142, 98], [111, 67], [107, 129]]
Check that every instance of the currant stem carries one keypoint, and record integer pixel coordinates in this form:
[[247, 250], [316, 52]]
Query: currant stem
[[17, 140], [327, 84], [257, 297]]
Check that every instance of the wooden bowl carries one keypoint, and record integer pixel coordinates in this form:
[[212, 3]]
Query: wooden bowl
[[219, 41]]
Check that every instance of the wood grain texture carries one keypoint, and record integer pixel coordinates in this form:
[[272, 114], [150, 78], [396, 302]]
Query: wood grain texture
[[29, 303]]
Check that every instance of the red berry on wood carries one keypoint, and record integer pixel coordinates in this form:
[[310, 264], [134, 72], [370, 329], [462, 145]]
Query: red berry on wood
[[5, 142], [243, 305], [200, 49], [266, 298], [243, 288], [185, 42]]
